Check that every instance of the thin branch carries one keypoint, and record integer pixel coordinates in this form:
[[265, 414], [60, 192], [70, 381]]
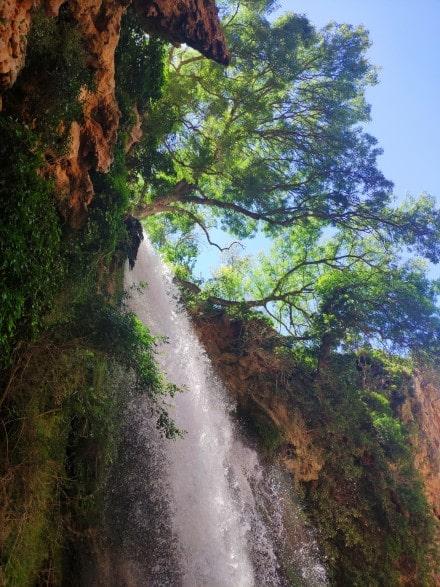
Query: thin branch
[[187, 61], [225, 26], [184, 192], [199, 222], [329, 261], [260, 303]]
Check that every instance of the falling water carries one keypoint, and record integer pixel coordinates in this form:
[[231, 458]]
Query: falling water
[[214, 517]]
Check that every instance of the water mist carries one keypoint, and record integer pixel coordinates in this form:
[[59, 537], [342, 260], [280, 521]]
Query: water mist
[[202, 508]]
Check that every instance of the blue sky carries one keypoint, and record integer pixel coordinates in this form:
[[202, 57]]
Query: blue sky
[[406, 102]]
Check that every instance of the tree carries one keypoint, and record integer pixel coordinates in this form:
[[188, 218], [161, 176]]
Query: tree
[[332, 294], [276, 138], [275, 143], [395, 307]]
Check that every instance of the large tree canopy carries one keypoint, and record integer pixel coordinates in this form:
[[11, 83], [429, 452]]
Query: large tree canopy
[[275, 143]]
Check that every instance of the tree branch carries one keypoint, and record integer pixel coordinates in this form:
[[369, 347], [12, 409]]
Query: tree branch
[[248, 304], [199, 222], [184, 192]]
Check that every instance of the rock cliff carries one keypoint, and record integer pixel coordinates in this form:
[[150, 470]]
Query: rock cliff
[[422, 411], [340, 475], [256, 376], [92, 139]]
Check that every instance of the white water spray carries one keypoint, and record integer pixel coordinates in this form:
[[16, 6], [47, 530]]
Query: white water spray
[[219, 496]]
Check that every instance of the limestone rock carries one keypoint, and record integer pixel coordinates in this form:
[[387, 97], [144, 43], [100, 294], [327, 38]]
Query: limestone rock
[[422, 409], [194, 22], [252, 374], [135, 132], [92, 140], [15, 20]]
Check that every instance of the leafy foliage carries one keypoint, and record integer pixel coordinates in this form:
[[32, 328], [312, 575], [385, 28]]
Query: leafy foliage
[[139, 67], [277, 138], [118, 334], [30, 236], [396, 305], [140, 82], [275, 144], [62, 413], [368, 502]]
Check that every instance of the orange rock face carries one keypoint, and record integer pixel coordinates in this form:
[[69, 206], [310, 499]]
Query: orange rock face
[[92, 140], [423, 410], [253, 375], [194, 22], [15, 20]]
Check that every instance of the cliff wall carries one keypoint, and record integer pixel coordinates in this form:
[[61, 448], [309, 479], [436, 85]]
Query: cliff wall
[[324, 429], [422, 411], [92, 136], [256, 378]]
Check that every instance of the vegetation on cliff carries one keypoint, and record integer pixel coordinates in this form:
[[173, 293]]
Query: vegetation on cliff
[[67, 340], [368, 501], [274, 145], [30, 241], [339, 432]]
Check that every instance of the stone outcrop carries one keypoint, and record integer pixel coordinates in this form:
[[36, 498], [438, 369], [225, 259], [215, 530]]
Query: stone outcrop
[[255, 375], [92, 140], [15, 21], [92, 144], [194, 22], [421, 411], [136, 131]]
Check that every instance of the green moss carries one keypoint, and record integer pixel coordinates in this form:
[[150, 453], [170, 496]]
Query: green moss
[[368, 504], [269, 435], [261, 427], [32, 466], [95, 417], [63, 419]]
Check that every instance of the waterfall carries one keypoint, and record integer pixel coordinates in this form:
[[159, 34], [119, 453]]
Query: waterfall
[[211, 514]]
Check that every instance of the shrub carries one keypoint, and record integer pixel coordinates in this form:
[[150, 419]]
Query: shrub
[[368, 503], [120, 336], [140, 72], [30, 236], [140, 83]]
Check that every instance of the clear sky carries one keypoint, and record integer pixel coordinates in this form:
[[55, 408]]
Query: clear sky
[[406, 102]]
